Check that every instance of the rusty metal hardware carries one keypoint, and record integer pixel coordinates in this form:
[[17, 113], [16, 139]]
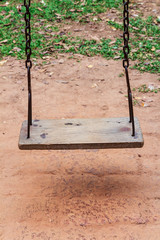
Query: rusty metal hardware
[[126, 51], [28, 62]]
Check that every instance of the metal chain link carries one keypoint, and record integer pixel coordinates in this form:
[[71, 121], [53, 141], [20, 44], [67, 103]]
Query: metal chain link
[[28, 62], [126, 51], [126, 33]]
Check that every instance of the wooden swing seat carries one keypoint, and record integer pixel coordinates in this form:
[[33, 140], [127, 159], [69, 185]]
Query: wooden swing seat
[[81, 134]]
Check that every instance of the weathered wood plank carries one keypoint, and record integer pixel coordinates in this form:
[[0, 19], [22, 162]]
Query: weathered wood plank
[[81, 134]]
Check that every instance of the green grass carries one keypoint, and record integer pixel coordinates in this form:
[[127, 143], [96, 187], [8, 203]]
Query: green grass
[[144, 89], [46, 39], [12, 23], [144, 43]]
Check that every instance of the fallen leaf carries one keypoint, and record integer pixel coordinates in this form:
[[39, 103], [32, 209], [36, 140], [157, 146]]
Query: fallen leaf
[[95, 19], [61, 61], [117, 57], [114, 29], [4, 41], [111, 42], [61, 81], [95, 38], [7, 24], [145, 104], [90, 66], [16, 49], [149, 100], [3, 62], [40, 9], [94, 85], [45, 82], [42, 70], [155, 21], [41, 32], [8, 16], [50, 74], [151, 87], [77, 30], [72, 10]]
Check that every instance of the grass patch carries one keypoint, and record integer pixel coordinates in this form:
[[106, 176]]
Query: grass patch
[[46, 38], [144, 89], [144, 43]]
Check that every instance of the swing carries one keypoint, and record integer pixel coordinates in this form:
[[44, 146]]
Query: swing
[[80, 133]]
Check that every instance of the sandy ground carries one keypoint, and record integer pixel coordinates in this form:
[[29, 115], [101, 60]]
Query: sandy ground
[[79, 195], [85, 194]]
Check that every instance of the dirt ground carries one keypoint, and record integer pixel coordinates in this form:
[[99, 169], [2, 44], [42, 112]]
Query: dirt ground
[[85, 194], [80, 194]]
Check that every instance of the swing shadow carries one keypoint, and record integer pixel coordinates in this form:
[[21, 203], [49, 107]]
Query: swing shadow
[[83, 197]]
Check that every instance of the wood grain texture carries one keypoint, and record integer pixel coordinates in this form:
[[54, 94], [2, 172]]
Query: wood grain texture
[[81, 134]]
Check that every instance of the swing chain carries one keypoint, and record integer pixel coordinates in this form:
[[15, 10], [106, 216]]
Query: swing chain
[[126, 51], [126, 33], [28, 62], [28, 33]]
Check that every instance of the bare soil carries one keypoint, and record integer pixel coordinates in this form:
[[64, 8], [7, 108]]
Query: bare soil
[[80, 194], [87, 194]]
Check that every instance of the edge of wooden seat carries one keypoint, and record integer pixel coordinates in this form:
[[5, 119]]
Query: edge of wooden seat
[[73, 134]]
